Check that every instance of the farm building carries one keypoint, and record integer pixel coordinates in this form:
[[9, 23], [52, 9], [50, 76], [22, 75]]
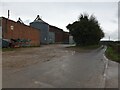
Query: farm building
[[49, 33], [66, 36], [18, 34], [0, 33], [39, 24], [58, 33]]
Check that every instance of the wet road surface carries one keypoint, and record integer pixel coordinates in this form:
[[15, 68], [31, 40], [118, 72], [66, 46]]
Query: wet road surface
[[78, 70]]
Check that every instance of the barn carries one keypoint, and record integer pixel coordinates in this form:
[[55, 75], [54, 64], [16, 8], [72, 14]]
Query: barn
[[18, 34], [49, 33], [39, 24], [58, 33]]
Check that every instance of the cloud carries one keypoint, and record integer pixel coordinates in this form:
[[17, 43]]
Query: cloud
[[60, 0], [27, 21], [113, 35], [114, 21], [119, 9], [61, 14]]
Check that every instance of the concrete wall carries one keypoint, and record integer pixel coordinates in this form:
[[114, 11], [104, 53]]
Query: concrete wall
[[71, 41], [16, 30]]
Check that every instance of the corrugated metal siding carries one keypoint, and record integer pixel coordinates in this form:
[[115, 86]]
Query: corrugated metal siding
[[44, 28], [58, 33], [66, 37], [51, 37]]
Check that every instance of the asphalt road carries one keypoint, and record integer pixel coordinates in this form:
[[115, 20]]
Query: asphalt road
[[78, 70]]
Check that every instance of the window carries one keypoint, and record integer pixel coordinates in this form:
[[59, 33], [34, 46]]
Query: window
[[12, 27]]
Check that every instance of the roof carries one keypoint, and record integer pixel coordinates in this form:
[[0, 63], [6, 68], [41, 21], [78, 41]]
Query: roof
[[38, 19], [19, 20], [18, 23], [56, 28]]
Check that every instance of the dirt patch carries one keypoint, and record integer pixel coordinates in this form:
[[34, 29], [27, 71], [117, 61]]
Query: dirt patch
[[29, 56]]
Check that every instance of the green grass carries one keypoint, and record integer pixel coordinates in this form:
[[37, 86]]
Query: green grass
[[112, 54], [83, 48], [90, 47], [8, 49], [86, 47], [13, 49]]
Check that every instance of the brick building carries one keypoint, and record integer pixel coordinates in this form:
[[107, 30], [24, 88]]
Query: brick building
[[66, 36], [17, 31], [58, 33], [49, 33], [41, 25]]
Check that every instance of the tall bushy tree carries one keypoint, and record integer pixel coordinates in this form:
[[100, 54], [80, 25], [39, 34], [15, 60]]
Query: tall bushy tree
[[86, 31]]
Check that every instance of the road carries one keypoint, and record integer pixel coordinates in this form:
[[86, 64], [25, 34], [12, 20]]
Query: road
[[74, 70]]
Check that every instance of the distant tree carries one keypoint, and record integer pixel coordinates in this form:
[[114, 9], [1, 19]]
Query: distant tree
[[86, 31]]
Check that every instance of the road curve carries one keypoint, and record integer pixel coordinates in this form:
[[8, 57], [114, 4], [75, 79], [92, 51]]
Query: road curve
[[78, 70]]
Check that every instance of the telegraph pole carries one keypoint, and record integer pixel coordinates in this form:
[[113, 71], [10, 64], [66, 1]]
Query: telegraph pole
[[109, 38], [8, 14]]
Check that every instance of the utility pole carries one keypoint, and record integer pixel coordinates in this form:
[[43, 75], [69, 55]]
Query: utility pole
[[8, 14], [109, 38]]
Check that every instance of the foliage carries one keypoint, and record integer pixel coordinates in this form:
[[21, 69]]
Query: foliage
[[113, 51], [86, 31]]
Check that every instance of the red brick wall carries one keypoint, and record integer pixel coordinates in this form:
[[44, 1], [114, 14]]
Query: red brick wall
[[58, 33], [66, 37], [20, 31]]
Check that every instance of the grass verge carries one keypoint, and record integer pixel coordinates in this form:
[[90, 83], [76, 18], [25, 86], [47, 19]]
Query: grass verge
[[18, 48], [112, 54], [83, 48], [8, 49]]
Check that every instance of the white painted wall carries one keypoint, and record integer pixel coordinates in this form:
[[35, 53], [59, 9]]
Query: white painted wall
[[71, 41]]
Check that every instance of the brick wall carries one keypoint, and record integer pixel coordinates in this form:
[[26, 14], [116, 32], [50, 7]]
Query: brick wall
[[17, 30], [58, 33], [66, 37]]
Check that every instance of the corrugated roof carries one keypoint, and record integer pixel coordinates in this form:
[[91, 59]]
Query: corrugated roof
[[38, 19], [19, 23]]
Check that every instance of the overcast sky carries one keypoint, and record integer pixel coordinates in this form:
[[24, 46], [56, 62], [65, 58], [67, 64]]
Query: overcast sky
[[60, 14]]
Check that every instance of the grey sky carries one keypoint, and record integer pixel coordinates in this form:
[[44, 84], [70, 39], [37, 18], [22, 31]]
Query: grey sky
[[60, 14]]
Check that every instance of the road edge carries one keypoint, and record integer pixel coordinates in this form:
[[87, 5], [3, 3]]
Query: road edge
[[108, 69]]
